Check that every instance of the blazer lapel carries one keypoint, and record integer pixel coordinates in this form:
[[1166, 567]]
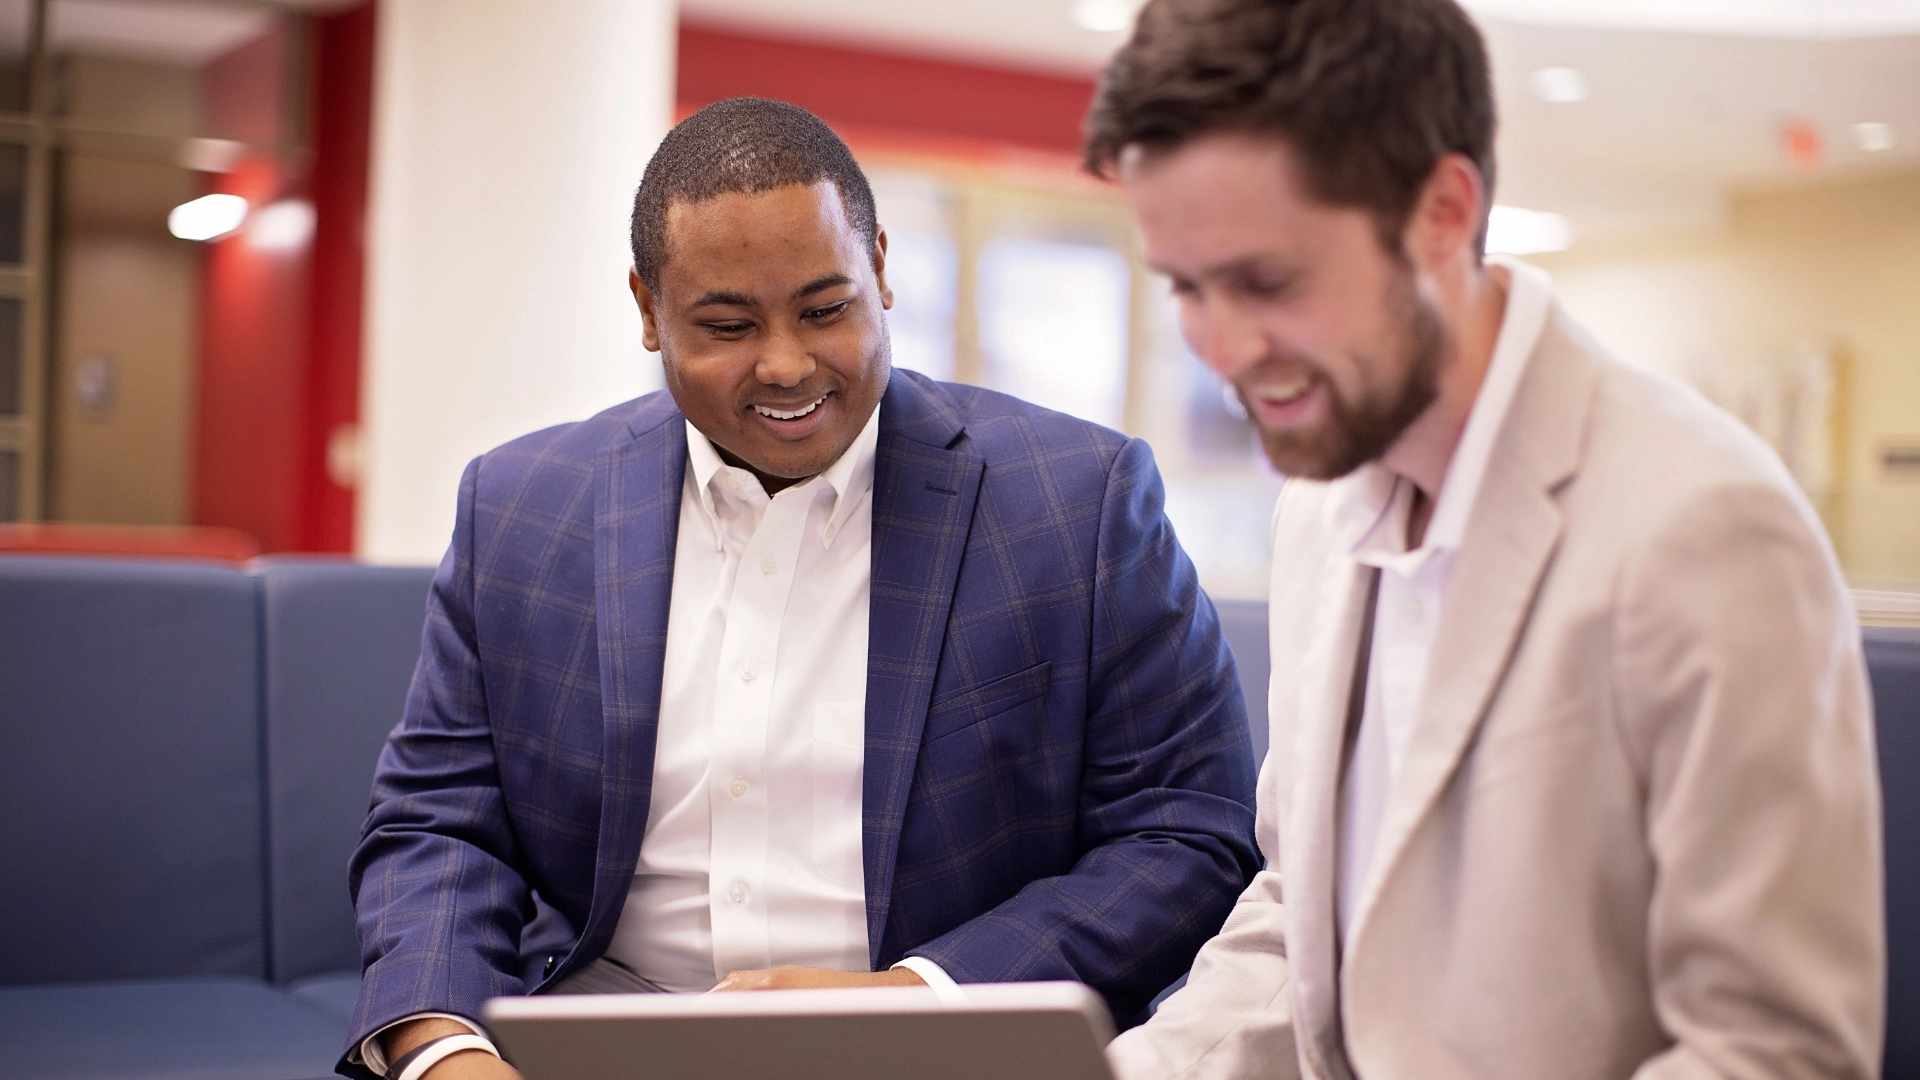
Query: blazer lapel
[[924, 491], [636, 525], [1510, 538], [1308, 852]]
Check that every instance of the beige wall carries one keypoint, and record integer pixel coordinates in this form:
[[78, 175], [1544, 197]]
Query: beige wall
[[128, 299], [1828, 271], [125, 292]]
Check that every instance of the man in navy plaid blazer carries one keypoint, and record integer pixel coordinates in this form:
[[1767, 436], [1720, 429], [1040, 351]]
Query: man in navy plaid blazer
[[1056, 781]]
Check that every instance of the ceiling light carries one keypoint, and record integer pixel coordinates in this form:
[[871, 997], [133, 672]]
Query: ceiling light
[[1513, 231], [1106, 16], [1873, 137], [1558, 85], [284, 226], [207, 217]]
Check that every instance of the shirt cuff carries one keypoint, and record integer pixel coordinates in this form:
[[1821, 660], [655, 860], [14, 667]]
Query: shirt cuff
[[936, 978], [375, 1058]]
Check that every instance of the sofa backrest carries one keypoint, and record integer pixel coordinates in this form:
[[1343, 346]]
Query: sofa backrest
[[1245, 624], [151, 829], [1893, 665], [129, 771], [341, 641]]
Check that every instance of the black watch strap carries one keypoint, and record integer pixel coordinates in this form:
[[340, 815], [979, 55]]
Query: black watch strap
[[399, 1064]]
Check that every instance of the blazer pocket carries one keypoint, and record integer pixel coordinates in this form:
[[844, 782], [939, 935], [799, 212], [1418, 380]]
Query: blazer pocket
[[963, 709]]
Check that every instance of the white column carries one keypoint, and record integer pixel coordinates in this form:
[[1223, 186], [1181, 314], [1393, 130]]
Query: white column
[[508, 138]]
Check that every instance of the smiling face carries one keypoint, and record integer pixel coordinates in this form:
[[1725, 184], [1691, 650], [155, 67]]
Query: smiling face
[[769, 322], [1326, 337]]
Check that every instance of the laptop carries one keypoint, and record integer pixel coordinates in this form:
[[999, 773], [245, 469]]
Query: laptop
[[995, 1031]]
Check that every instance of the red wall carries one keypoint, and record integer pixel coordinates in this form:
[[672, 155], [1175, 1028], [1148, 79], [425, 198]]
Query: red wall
[[342, 143], [252, 319], [890, 92], [280, 329]]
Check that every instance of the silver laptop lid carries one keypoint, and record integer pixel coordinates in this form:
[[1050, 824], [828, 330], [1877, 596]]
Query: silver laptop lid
[[996, 1031]]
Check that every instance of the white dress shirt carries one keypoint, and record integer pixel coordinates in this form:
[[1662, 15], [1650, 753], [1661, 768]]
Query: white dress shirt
[[1370, 507], [752, 856]]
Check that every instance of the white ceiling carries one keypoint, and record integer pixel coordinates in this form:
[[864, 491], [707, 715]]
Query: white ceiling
[[1686, 97], [1674, 122], [1675, 119], [182, 32], [1762, 18], [166, 31]]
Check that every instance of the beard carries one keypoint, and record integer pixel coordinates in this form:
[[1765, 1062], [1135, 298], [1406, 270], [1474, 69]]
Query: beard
[[1360, 429]]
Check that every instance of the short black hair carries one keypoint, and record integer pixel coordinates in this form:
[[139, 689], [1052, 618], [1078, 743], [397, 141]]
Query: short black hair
[[1369, 94], [743, 145]]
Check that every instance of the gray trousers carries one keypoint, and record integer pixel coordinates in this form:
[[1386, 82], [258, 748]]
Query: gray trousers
[[605, 976]]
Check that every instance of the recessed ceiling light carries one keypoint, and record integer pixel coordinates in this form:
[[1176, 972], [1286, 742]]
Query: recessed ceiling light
[[207, 217], [1558, 85], [1873, 137], [1106, 16], [1513, 231]]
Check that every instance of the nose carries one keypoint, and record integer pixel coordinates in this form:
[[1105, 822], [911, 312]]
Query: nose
[[785, 362], [1226, 340]]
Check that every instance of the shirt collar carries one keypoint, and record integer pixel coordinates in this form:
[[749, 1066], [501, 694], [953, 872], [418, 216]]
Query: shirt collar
[[1365, 502], [849, 477]]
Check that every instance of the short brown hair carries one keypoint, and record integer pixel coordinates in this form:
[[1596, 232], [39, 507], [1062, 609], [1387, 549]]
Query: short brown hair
[[1369, 94]]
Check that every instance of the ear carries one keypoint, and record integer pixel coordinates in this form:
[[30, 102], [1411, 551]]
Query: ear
[[649, 317], [1449, 215], [880, 268]]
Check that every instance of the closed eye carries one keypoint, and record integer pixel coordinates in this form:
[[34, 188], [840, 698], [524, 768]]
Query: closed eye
[[1265, 286], [826, 312], [728, 329]]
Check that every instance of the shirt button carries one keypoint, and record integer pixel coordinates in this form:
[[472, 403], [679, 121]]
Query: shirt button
[[737, 788], [746, 673], [737, 892], [767, 564]]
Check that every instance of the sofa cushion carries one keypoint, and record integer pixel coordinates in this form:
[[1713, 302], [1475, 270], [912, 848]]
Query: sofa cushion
[[129, 771], [341, 640], [335, 991], [200, 1028]]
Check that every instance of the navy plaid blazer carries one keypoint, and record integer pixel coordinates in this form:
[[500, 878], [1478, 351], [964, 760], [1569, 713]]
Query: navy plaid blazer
[[1059, 780]]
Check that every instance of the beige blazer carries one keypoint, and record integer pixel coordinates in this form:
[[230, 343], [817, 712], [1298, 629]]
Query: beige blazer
[[1636, 831]]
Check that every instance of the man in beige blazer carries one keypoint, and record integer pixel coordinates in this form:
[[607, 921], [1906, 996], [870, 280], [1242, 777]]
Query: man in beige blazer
[[1571, 770]]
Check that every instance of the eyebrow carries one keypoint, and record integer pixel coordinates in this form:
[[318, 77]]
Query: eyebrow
[[720, 298], [821, 284], [1223, 269]]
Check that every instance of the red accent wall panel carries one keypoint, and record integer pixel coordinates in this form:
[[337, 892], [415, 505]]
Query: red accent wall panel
[[248, 394], [279, 368], [872, 89], [343, 122]]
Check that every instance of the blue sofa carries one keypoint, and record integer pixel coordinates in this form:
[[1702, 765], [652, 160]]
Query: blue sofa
[[185, 757]]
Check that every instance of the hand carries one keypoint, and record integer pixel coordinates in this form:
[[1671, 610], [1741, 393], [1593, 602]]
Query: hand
[[465, 1065], [791, 977]]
